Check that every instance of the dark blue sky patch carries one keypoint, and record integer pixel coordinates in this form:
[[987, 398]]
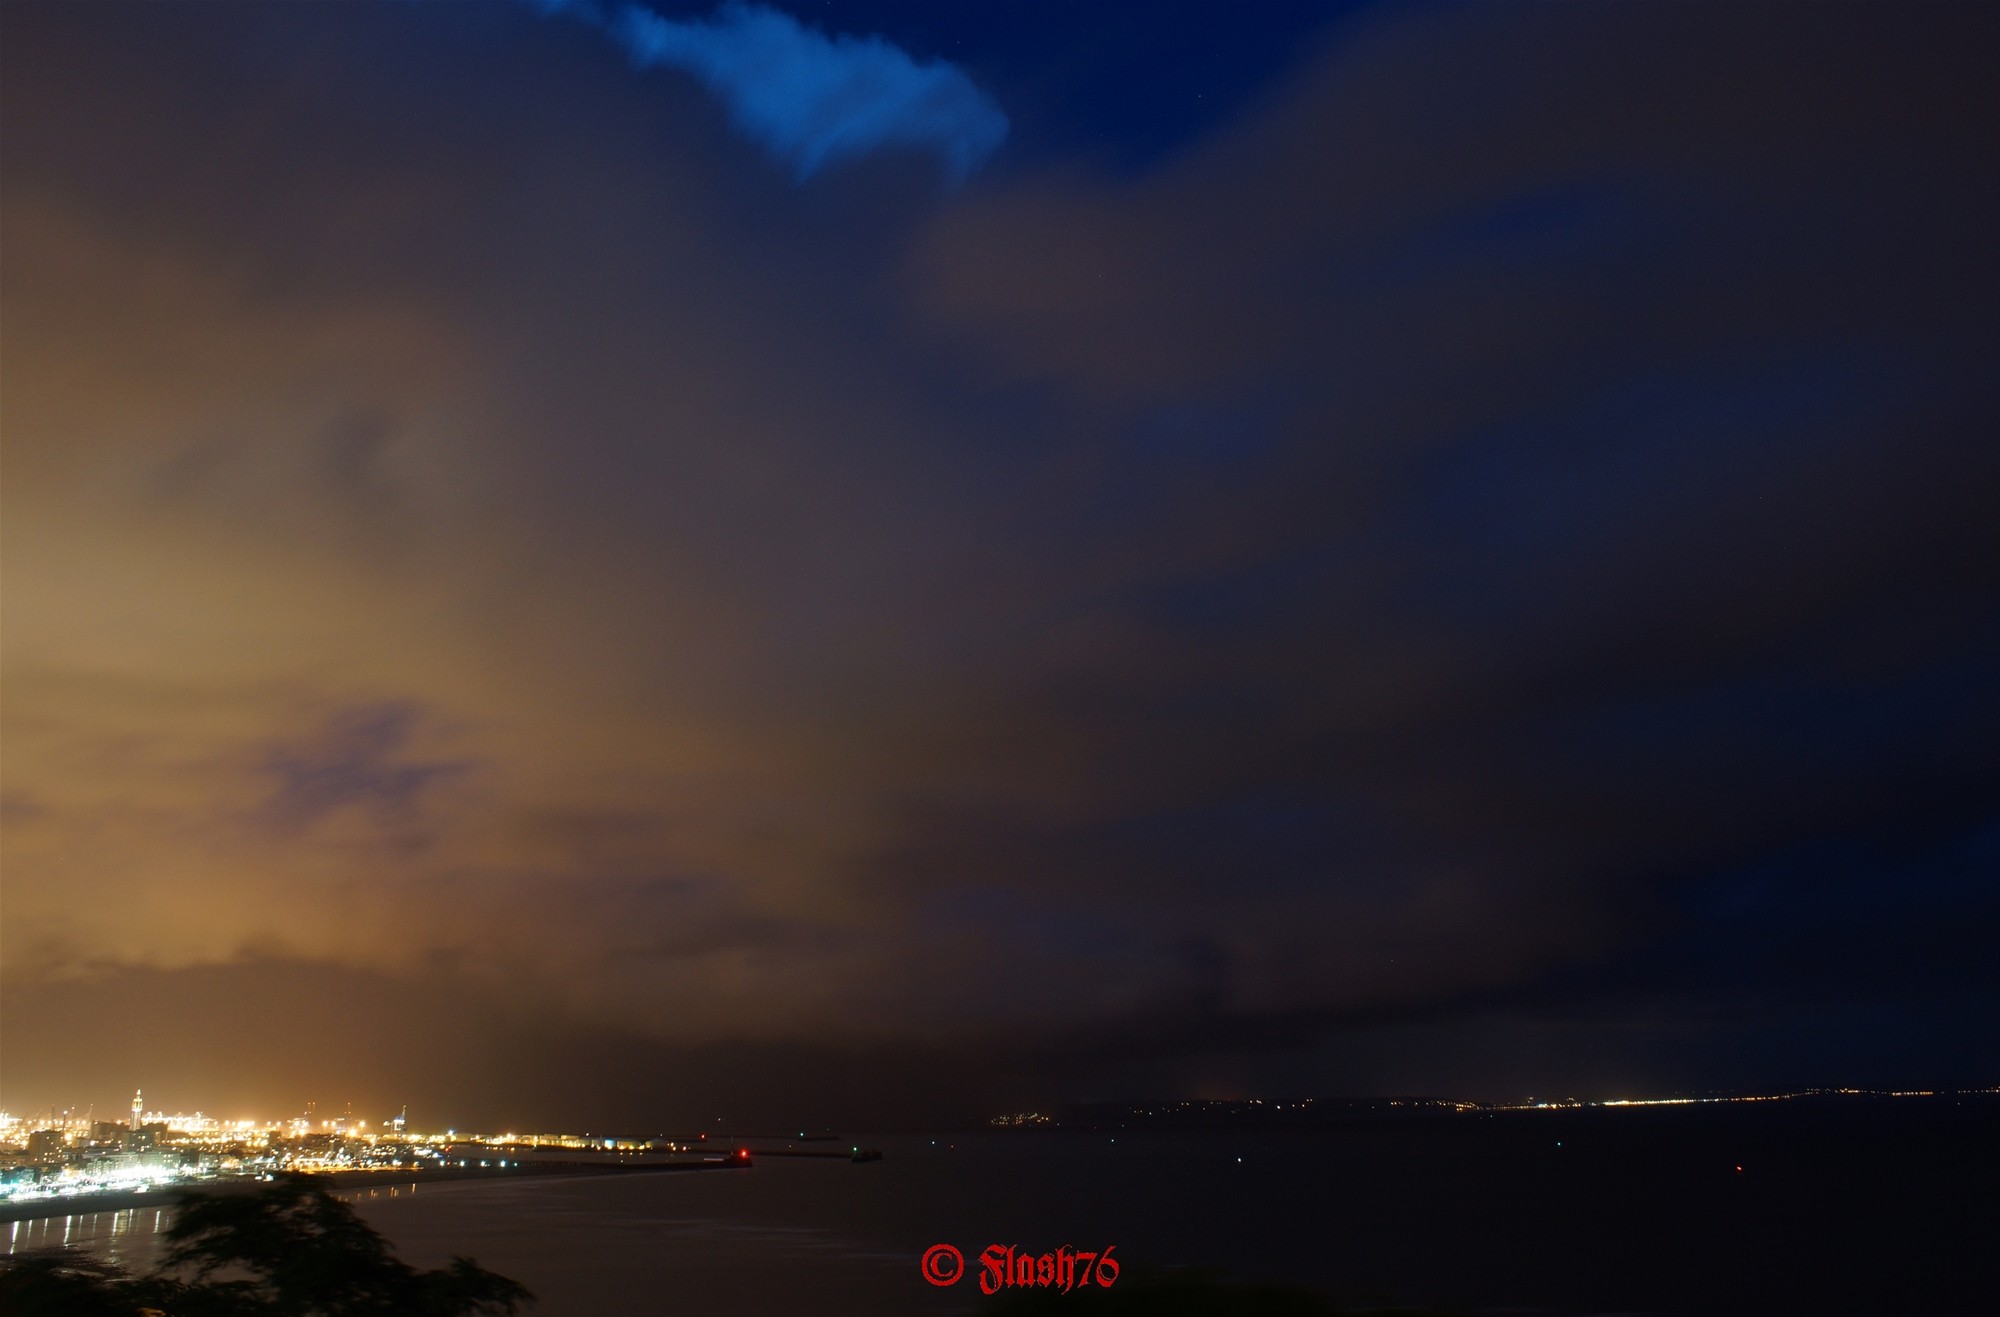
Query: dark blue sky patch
[[1128, 83]]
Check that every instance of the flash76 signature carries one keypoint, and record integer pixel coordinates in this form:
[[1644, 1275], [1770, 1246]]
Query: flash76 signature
[[1002, 1266]]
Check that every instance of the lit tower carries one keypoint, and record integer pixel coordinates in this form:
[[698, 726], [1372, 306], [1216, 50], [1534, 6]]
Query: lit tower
[[138, 1109]]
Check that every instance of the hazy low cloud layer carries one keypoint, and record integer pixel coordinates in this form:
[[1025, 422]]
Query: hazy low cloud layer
[[1409, 579]]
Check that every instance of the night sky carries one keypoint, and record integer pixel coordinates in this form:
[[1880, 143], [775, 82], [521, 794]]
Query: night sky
[[880, 563]]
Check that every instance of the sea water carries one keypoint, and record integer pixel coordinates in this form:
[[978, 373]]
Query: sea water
[[1635, 1213]]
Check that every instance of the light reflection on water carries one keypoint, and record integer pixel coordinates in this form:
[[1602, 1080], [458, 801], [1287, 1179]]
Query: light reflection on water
[[129, 1237], [592, 1244]]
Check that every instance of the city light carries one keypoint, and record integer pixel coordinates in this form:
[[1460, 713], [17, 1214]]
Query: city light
[[60, 1155]]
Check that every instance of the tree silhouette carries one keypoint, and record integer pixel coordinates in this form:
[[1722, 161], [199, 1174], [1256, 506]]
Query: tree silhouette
[[65, 1282], [287, 1249]]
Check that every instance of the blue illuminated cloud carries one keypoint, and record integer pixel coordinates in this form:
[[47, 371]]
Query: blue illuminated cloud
[[809, 98]]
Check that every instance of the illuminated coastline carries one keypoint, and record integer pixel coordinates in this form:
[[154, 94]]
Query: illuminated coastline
[[51, 1161], [1290, 1111]]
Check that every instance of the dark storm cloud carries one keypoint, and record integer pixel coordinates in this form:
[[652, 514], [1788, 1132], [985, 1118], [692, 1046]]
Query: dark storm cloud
[[1480, 564], [1618, 509], [1839, 918]]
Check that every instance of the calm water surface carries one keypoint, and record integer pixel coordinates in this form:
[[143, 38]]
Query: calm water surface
[[1555, 1215]]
